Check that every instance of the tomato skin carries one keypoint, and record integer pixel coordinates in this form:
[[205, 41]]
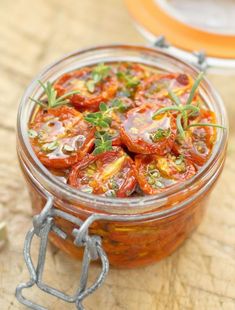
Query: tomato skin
[[155, 88], [190, 151], [199, 140], [170, 169], [115, 133], [133, 70], [140, 142], [140, 160], [104, 90], [168, 174], [64, 119], [207, 134], [97, 182], [117, 119]]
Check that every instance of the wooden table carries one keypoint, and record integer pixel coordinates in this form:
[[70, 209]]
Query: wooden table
[[201, 274]]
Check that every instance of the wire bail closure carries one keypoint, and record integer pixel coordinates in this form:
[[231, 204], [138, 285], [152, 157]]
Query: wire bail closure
[[43, 224], [199, 57]]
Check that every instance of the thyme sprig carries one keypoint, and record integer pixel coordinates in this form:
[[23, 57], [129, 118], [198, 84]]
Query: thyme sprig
[[129, 80], [52, 100], [102, 120], [159, 134], [99, 73], [103, 142], [185, 110]]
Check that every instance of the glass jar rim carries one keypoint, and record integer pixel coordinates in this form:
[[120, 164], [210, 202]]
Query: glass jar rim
[[140, 203]]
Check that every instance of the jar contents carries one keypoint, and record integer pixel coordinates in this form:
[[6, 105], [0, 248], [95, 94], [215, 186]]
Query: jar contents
[[122, 129]]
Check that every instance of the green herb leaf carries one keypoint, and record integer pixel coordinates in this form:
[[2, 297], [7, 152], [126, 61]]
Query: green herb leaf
[[48, 147], [159, 134], [206, 124], [179, 126], [51, 96], [118, 104], [174, 97], [32, 133], [103, 143], [98, 119], [129, 80], [100, 72], [179, 160], [103, 107], [195, 87], [103, 118], [90, 86], [182, 109], [166, 109], [68, 148]]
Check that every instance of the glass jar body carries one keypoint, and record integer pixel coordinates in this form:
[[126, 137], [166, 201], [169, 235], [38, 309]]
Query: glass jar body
[[127, 244], [134, 242]]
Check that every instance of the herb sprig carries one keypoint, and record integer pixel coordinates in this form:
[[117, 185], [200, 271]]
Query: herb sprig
[[99, 73], [159, 134], [52, 100], [185, 110], [129, 80], [103, 142], [102, 120]]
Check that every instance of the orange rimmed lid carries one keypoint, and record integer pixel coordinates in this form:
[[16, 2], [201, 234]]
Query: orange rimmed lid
[[155, 19]]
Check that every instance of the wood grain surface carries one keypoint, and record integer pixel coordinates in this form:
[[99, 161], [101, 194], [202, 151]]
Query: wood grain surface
[[201, 274]]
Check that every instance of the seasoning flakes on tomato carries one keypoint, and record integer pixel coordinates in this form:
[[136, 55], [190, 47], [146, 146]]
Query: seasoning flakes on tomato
[[155, 88], [95, 85], [110, 117], [143, 134], [199, 140], [207, 134], [157, 173], [123, 129], [129, 76], [110, 174], [60, 136]]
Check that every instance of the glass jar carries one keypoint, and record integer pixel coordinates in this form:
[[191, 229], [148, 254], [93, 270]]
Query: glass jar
[[134, 231]]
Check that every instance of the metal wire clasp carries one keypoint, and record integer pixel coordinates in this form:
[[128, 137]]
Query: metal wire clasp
[[43, 223], [197, 58]]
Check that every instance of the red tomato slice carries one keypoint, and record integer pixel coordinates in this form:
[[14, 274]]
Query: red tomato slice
[[199, 140], [129, 76], [110, 174], [143, 134], [118, 117], [155, 88], [61, 136], [88, 98], [204, 133], [155, 174]]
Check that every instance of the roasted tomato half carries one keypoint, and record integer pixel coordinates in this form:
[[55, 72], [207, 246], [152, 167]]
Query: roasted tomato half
[[155, 88], [156, 173], [119, 107], [95, 85], [60, 136], [143, 134], [199, 140], [110, 174], [129, 76]]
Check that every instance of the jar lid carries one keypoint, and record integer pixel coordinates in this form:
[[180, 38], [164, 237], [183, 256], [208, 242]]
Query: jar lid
[[194, 25]]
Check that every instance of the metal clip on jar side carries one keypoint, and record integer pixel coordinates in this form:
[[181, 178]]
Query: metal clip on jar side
[[197, 58], [42, 225]]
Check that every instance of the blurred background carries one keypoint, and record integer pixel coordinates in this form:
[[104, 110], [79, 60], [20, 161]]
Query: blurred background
[[201, 275]]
